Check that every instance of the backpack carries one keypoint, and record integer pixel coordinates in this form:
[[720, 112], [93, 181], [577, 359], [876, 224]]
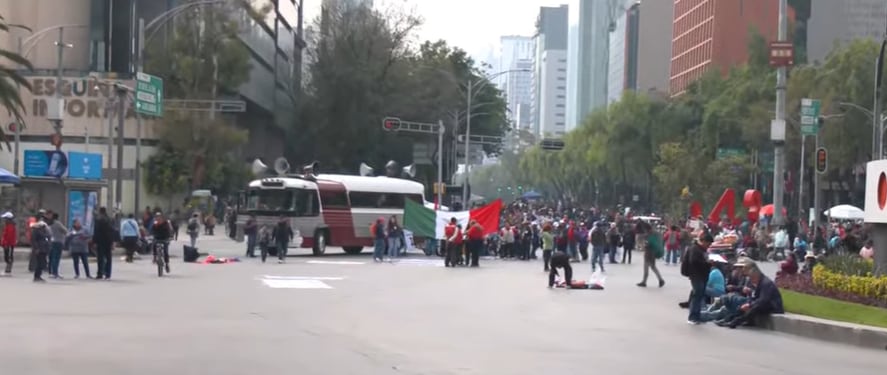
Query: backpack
[[654, 242], [192, 225]]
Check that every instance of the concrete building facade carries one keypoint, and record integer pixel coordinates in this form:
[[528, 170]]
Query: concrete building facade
[[654, 45], [710, 33], [833, 23], [550, 70], [518, 92], [100, 34]]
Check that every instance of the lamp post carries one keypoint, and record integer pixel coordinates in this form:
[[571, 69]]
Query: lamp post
[[876, 124], [472, 88]]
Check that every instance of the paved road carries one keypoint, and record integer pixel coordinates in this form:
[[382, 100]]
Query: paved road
[[408, 318]]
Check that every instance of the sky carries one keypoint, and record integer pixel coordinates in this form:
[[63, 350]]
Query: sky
[[473, 25]]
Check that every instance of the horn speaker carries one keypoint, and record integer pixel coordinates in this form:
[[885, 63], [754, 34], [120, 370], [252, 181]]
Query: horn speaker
[[365, 170], [258, 167], [410, 170], [281, 166]]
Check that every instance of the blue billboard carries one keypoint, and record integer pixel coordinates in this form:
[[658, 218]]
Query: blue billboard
[[84, 165], [45, 163]]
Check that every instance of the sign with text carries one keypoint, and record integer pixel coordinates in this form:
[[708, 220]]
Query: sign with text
[[782, 54], [82, 165], [45, 163], [149, 95], [81, 204], [810, 110]]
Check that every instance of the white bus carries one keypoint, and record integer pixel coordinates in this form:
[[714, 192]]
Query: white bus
[[328, 209]]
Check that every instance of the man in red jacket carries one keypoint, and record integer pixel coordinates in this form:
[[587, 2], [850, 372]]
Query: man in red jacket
[[475, 241], [452, 253], [9, 240]]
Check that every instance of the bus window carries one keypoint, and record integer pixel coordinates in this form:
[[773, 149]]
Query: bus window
[[270, 200], [360, 199], [306, 203], [333, 198]]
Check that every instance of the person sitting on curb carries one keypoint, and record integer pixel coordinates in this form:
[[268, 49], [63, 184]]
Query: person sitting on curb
[[765, 299]]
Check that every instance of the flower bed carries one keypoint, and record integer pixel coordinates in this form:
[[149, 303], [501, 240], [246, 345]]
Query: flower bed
[[842, 278]]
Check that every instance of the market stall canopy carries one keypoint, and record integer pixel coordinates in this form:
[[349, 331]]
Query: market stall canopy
[[531, 195], [6, 177], [845, 212]]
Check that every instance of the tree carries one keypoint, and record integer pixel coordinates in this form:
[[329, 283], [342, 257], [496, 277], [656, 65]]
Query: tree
[[11, 81], [203, 59]]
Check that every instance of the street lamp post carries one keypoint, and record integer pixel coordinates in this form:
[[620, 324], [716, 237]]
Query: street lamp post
[[877, 124], [471, 90]]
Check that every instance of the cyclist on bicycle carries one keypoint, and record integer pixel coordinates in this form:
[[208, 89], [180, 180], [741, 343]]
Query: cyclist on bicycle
[[162, 233]]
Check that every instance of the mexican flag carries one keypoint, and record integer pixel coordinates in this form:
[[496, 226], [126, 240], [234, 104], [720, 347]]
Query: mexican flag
[[425, 222]]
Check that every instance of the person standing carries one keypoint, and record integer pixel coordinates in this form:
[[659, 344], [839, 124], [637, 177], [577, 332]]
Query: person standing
[[695, 266], [628, 243], [652, 245], [672, 239], [194, 228], [103, 238], [394, 237], [251, 231], [59, 233], [129, 235], [598, 244], [450, 254], [282, 236], [614, 240], [476, 241], [174, 220], [547, 246], [378, 229], [77, 243], [456, 241], [9, 240], [583, 241], [41, 238]]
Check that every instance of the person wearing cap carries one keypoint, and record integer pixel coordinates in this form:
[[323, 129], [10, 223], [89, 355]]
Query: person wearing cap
[[765, 298], [716, 285], [695, 266], [8, 241]]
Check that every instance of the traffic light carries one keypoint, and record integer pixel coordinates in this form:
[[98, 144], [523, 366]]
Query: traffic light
[[821, 160], [391, 124], [552, 144]]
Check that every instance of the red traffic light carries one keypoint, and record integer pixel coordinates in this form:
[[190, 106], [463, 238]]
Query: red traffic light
[[821, 160], [391, 124]]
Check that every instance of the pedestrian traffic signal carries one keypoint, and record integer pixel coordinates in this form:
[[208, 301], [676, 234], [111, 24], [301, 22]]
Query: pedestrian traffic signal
[[821, 160], [552, 144], [391, 124]]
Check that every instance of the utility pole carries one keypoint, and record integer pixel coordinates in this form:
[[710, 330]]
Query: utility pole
[[121, 118], [140, 63], [777, 128], [465, 196], [440, 136], [109, 113]]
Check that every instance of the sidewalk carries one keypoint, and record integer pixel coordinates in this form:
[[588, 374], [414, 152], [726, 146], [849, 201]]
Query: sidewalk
[[218, 245], [828, 330]]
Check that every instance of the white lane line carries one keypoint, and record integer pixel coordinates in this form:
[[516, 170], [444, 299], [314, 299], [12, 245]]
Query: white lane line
[[296, 284], [270, 277], [345, 262]]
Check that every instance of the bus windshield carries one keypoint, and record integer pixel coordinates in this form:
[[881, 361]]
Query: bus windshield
[[289, 202]]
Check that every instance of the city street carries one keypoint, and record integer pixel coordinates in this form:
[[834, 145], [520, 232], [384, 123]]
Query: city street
[[346, 315]]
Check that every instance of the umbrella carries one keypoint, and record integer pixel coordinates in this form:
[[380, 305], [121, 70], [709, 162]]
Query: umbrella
[[6, 177], [845, 212], [768, 210], [531, 195]]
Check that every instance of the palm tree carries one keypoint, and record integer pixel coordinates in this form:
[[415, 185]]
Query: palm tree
[[11, 81]]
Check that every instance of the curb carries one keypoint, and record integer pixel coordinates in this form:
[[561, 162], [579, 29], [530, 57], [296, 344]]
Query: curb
[[828, 330], [24, 254]]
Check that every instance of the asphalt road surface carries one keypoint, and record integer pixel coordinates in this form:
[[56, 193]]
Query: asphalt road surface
[[346, 315]]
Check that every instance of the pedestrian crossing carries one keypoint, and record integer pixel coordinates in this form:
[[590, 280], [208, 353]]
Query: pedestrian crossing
[[297, 282]]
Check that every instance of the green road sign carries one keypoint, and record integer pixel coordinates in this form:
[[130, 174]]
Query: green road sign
[[810, 109], [724, 153], [149, 94]]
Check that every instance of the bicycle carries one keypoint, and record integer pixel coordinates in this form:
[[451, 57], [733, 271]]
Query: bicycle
[[159, 250]]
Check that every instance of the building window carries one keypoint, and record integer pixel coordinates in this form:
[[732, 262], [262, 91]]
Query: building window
[[559, 106], [561, 96], [561, 87]]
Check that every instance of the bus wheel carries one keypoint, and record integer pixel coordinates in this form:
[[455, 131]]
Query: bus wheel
[[319, 242], [353, 250]]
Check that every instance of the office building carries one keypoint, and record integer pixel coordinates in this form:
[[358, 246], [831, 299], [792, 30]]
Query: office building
[[654, 46], [623, 62], [834, 23], [597, 20], [549, 95], [572, 74], [518, 92], [709, 33], [100, 36], [511, 49]]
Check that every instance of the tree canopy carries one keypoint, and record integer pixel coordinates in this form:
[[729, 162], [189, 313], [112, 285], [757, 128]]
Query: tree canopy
[[647, 150]]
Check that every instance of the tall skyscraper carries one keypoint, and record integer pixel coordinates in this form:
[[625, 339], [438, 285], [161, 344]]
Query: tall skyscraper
[[516, 54], [623, 64], [710, 33], [573, 120], [550, 71], [596, 21], [838, 22], [654, 45]]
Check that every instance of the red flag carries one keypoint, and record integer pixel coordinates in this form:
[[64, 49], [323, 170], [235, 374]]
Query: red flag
[[488, 216]]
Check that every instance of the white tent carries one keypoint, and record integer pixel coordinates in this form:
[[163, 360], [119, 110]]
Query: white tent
[[845, 212]]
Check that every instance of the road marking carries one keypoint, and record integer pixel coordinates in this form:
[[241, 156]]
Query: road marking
[[334, 262], [324, 278], [295, 284], [420, 262]]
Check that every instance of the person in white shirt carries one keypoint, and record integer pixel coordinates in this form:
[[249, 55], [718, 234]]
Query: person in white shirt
[[780, 243]]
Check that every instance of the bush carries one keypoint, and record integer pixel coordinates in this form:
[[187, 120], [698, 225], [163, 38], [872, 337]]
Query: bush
[[863, 285], [849, 265], [803, 283]]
